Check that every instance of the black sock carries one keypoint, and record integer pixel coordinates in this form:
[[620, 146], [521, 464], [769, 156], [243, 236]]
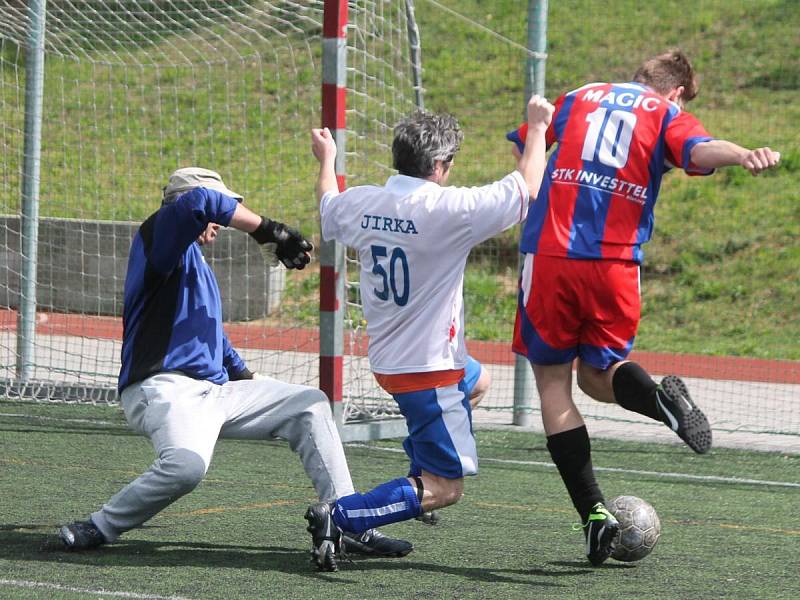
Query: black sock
[[572, 454], [420, 488], [635, 390]]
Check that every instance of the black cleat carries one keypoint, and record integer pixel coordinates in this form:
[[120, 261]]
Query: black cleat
[[81, 535], [374, 543], [682, 415], [600, 530], [432, 517], [326, 536]]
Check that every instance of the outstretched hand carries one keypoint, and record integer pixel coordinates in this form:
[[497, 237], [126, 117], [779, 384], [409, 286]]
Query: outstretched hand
[[281, 243], [759, 160]]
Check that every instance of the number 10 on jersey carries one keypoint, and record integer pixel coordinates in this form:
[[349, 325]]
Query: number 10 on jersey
[[614, 130]]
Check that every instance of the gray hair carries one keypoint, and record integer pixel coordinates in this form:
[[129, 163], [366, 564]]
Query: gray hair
[[421, 139]]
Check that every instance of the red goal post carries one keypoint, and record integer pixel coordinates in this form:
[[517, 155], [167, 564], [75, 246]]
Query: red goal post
[[331, 255]]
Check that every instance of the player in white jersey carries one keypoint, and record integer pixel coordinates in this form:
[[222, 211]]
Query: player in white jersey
[[413, 235]]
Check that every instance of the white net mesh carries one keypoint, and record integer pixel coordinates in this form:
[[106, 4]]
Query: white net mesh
[[134, 90], [474, 56]]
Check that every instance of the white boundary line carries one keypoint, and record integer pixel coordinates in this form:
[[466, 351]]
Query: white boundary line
[[101, 592], [534, 463], [666, 474], [60, 419]]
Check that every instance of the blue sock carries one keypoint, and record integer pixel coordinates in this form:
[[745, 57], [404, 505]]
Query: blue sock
[[390, 502], [414, 469]]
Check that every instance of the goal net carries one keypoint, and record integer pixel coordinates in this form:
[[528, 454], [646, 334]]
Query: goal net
[[134, 90], [710, 276]]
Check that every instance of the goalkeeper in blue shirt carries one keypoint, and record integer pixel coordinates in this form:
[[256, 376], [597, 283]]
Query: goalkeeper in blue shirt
[[182, 384]]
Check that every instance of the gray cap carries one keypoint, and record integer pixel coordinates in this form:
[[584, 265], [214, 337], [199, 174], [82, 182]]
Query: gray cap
[[189, 178]]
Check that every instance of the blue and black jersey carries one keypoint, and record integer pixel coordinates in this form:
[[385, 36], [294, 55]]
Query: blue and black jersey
[[172, 316]]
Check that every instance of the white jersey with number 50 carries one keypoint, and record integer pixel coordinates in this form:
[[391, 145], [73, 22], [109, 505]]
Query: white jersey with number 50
[[413, 237]]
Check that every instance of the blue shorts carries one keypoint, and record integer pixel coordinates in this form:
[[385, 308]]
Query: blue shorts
[[439, 421], [472, 372]]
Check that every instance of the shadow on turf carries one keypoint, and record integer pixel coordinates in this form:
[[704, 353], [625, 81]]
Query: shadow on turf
[[27, 542], [484, 575], [34, 542]]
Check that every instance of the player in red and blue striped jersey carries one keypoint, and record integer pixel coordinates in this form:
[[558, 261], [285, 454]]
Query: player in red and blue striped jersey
[[615, 142], [579, 287]]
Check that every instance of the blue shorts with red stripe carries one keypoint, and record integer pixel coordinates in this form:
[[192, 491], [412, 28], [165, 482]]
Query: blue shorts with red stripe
[[570, 308], [439, 421]]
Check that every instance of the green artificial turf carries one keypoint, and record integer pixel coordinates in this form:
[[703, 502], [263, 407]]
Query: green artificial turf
[[241, 534]]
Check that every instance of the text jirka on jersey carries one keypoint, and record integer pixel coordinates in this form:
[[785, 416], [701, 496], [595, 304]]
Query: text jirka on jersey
[[381, 223]]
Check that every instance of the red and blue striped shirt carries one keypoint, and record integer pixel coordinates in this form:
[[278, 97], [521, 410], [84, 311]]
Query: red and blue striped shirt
[[615, 142]]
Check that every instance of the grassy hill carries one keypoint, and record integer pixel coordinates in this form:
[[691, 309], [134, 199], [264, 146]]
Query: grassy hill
[[721, 274]]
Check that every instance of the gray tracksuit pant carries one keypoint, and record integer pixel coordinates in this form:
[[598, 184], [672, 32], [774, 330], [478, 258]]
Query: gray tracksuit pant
[[184, 418]]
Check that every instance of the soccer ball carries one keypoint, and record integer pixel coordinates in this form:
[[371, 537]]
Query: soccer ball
[[639, 528]]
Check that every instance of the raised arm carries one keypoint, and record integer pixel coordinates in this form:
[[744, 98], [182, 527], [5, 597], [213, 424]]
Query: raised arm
[[722, 153], [168, 232], [324, 148], [531, 164], [245, 219]]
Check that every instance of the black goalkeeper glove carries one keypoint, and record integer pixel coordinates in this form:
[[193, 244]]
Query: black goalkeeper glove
[[244, 374], [241, 375], [279, 242]]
